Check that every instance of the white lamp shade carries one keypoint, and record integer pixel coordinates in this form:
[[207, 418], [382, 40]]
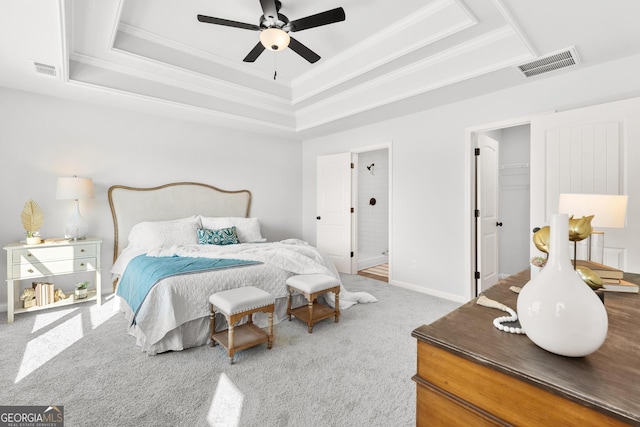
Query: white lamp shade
[[274, 39], [608, 210], [74, 188]]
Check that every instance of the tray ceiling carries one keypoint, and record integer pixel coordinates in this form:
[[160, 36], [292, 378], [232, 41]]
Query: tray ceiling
[[385, 57]]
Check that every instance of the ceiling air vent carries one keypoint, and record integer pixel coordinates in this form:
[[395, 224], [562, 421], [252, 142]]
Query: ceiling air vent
[[551, 62], [44, 69]]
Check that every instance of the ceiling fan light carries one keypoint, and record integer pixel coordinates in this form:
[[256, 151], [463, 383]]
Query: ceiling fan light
[[274, 39]]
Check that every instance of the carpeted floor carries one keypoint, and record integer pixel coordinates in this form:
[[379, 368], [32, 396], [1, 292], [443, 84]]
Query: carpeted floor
[[354, 373]]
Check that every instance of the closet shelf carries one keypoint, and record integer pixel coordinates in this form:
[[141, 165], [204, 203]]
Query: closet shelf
[[515, 166]]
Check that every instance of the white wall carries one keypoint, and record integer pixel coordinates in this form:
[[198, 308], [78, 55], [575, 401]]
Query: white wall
[[429, 164], [43, 138]]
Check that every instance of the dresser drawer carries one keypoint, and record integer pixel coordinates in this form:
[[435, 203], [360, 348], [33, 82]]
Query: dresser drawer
[[501, 395], [50, 253], [436, 408], [40, 269]]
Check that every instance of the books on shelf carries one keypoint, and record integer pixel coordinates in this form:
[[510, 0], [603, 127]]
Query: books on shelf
[[604, 271], [44, 293], [622, 286]]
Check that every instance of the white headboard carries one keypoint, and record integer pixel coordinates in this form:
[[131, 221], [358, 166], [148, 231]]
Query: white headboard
[[130, 205]]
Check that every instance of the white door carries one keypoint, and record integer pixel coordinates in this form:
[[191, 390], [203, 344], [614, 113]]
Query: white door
[[488, 222], [333, 230]]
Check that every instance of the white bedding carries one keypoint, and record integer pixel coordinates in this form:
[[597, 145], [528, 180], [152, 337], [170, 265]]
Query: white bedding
[[175, 314]]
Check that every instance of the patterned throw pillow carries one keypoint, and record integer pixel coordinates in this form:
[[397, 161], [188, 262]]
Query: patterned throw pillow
[[224, 236]]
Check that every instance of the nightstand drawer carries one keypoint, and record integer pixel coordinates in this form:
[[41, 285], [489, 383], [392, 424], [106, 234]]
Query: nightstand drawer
[[31, 255], [39, 269]]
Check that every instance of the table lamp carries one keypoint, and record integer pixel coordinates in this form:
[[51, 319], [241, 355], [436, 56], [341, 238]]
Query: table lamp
[[608, 210], [75, 188]]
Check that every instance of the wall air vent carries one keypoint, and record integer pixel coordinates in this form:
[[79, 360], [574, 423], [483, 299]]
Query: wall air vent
[[551, 62], [44, 69]]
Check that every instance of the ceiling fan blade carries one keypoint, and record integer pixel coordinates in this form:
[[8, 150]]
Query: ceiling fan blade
[[319, 19], [303, 51], [255, 52], [227, 23], [270, 9]]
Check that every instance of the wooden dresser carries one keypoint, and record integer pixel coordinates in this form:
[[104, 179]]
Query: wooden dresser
[[471, 374]]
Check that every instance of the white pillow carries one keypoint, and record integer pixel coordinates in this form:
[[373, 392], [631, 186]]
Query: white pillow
[[150, 235], [248, 229]]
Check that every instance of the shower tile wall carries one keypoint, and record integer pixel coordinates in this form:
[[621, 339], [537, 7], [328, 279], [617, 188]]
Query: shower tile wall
[[373, 221]]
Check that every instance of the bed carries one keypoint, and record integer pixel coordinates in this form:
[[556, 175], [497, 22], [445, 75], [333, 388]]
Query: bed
[[184, 222]]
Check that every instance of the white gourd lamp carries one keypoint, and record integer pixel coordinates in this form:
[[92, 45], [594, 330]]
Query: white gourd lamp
[[608, 210], [75, 188]]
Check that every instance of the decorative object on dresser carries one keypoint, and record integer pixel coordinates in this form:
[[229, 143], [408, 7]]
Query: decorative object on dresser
[[579, 229], [58, 295], [32, 218], [75, 188], [28, 297], [608, 210], [621, 286], [44, 292], [557, 310], [81, 290], [58, 258], [603, 271], [499, 322], [465, 374]]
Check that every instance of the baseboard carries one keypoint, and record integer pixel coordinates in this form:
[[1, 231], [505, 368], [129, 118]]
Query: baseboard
[[427, 291]]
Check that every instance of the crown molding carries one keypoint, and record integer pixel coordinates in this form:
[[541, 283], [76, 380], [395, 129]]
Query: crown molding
[[368, 54], [409, 81], [218, 89]]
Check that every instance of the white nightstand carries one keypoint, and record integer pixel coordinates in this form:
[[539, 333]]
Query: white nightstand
[[25, 262]]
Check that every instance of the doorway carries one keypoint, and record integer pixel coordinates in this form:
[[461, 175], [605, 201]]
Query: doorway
[[338, 206], [372, 214], [500, 201]]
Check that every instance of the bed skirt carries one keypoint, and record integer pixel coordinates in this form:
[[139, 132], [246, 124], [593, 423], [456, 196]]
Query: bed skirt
[[195, 333]]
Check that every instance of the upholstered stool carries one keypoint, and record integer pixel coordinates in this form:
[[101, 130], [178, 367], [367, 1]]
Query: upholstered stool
[[312, 286], [234, 304]]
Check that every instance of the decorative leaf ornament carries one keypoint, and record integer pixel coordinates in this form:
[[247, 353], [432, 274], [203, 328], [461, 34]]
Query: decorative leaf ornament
[[541, 239], [579, 228], [589, 277], [31, 216]]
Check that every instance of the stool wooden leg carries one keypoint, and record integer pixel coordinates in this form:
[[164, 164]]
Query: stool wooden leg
[[310, 321], [289, 303], [231, 350], [337, 306], [212, 325], [270, 341]]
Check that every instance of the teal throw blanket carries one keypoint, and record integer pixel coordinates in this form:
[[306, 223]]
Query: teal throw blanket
[[144, 272]]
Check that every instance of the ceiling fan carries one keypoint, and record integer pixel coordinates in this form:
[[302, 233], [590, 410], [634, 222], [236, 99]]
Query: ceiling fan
[[274, 29]]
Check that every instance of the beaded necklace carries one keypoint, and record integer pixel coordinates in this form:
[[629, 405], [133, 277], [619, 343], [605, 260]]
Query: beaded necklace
[[498, 321]]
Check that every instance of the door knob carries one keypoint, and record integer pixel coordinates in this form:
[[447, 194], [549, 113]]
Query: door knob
[[498, 224]]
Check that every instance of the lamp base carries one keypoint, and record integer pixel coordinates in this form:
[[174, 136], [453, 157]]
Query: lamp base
[[597, 247], [76, 226]]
